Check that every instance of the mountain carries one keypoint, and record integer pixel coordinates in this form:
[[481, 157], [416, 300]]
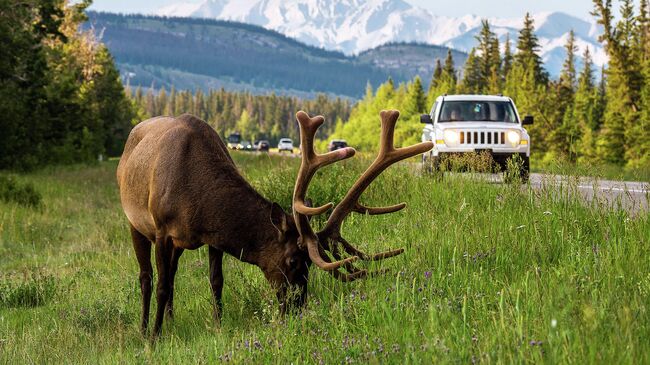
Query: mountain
[[353, 26], [193, 53]]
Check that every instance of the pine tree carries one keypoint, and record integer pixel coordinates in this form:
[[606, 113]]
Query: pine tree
[[585, 112], [623, 84], [566, 130], [485, 55], [507, 58], [471, 83], [446, 83], [416, 100], [494, 80], [435, 78], [568, 74], [528, 51], [449, 70]]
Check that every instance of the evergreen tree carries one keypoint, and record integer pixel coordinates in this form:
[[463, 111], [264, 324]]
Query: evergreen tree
[[585, 112], [449, 70], [566, 130], [623, 84], [494, 83], [471, 83], [416, 101], [485, 55], [446, 83], [507, 58], [437, 75], [528, 51]]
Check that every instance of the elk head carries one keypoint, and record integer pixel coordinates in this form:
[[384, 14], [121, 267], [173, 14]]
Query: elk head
[[329, 239]]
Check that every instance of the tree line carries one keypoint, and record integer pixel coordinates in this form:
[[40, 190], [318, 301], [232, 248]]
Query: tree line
[[60, 94], [577, 119], [255, 117]]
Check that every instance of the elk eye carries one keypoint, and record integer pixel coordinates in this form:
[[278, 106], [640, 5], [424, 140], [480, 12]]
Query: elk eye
[[293, 261]]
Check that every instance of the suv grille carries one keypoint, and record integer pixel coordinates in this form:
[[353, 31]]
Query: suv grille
[[482, 138]]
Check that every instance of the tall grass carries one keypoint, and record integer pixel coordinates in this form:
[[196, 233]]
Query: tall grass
[[492, 273]]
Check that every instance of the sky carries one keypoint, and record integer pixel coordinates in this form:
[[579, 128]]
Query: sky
[[491, 8]]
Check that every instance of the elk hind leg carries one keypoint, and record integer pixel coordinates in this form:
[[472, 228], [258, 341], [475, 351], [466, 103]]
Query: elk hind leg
[[176, 255], [164, 250], [142, 247]]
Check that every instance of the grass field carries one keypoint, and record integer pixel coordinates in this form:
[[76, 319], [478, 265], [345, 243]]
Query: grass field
[[492, 273]]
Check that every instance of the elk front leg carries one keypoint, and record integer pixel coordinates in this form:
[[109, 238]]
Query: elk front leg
[[142, 248], [216, 280], [164, 249], [176, 255]]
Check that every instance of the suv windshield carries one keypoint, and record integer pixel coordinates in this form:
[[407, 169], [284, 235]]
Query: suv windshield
[[234, 138], [477, 111]]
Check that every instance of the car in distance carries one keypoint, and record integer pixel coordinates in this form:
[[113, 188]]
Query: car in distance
[[336, 144], [263, 145], [245, 146], [285, 144], [460, 124], [233, 140]]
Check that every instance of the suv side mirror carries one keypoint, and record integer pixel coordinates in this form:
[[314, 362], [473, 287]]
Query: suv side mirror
[[426, 119], [528, 120]]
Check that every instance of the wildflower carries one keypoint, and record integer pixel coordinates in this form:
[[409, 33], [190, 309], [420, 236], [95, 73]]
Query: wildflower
[[553, 323], [427, 274]]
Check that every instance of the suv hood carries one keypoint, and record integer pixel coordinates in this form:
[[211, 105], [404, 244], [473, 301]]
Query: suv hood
[[477, 125]]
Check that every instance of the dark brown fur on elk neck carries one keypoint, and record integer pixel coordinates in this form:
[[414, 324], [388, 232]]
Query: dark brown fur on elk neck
[[180, 190]]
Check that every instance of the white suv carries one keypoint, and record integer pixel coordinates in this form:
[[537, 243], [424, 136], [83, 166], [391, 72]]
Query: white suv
[[476, 123], [285, 144]]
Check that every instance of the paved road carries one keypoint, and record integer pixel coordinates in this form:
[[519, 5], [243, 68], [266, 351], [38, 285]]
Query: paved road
[[631, 195]]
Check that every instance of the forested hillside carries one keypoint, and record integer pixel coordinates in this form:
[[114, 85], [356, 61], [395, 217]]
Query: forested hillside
[[191, 53]]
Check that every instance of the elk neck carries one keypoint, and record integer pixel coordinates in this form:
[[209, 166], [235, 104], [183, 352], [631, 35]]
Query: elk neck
[[240, 222]]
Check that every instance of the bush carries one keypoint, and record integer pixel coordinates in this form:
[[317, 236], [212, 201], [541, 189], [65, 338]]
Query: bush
[[512, 174], [35, 290], [103, 313], [23, 194]]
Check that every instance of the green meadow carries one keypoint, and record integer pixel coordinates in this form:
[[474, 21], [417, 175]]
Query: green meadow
[[492, 273]]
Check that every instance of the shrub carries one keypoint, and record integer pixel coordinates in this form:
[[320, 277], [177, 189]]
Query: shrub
[[33, 291], [512, 174], [103, 313], [23, 194]]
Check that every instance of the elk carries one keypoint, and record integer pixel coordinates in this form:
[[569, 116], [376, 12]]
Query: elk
[[180, 190]]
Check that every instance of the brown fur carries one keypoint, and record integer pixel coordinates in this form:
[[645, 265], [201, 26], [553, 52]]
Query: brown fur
[[180, 190]]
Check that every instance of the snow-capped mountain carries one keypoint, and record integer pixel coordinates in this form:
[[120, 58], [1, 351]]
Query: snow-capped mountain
[[352, 26]]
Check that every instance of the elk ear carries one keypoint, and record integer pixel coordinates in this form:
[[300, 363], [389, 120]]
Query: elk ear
[[279, 219]]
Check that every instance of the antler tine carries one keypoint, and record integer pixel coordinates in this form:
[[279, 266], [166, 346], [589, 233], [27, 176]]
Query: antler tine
[[353, 272], [364, 256], [309, 164], [360, 208], [387, 156]]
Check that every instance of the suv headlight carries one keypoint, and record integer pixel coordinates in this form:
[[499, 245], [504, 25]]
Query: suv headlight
[[513, 137], [451, 137]]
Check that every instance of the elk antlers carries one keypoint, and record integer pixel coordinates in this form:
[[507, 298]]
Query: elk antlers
[[329, 238]]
